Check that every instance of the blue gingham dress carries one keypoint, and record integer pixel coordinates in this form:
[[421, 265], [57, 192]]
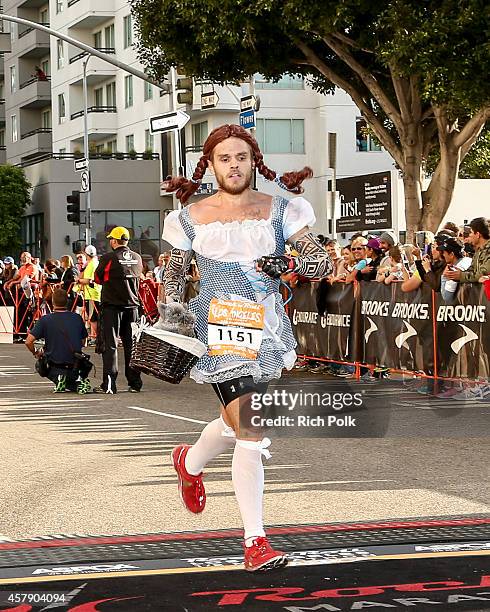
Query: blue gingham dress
[[228, 279]]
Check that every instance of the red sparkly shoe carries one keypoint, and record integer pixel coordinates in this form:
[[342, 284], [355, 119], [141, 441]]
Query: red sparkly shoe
[[191, 488], [261, 557]]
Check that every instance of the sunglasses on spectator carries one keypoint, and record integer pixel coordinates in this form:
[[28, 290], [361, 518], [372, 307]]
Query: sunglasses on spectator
[[358, 248]]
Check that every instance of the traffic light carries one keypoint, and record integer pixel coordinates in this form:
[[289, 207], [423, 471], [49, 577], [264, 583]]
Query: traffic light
[[187, 95], [73, 208]]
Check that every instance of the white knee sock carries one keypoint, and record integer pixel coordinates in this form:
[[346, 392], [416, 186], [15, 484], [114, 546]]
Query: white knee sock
[[248, 481], [215, 438]]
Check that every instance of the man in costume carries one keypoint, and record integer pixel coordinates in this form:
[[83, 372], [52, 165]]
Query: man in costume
[[238, 237]]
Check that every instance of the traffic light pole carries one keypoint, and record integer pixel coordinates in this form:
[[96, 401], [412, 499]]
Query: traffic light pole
[[88, 211], [177, 163]]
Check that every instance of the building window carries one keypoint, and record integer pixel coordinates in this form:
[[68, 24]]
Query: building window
[[45, 67], [46, 119], [99, 148], [149, 141], [59, 6], [129, 143], [15, 134], [128, 91], [13, 79], [364, 140], [110, 93], [143, 226], [281, 135], [32, 233], [60, 54], [99, 97], [112, 146], [98, 40], [148, 91], [44, 17], [2, 138], [109, 37], [287, 81], [61, 108], [199, 133], [128, 31]]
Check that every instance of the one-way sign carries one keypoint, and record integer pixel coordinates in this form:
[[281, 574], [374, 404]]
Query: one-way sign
[[248, 103], [209, 100], [168, 122], [80, 164]]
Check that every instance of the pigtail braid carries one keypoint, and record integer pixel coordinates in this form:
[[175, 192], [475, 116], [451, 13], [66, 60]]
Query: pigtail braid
[[262, 169], [292, 180], [184, 187]]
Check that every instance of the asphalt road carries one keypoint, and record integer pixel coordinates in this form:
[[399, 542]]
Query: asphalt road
[[100, 464]]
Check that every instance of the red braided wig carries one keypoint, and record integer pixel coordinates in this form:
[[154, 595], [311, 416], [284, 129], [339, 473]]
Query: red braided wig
[[186, 187]]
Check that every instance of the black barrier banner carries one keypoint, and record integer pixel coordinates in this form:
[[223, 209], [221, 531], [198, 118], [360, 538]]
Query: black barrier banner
[[397, 327], [327, 334], [381, 325], [463, 334]]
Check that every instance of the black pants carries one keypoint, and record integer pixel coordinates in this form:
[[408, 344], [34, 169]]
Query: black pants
[[116, 322], [70, 374]]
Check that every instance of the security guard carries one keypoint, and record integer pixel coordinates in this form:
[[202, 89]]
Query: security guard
[[119, 274]]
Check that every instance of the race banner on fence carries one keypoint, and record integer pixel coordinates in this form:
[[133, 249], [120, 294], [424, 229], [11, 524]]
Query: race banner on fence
[[382, 325], [463, 334], [327, 334], [397, 327]]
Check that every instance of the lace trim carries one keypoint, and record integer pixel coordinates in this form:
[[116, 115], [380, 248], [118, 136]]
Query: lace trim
[[247, 369]]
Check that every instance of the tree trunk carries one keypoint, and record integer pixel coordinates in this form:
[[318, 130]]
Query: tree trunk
[[412, 183], [437, 198]]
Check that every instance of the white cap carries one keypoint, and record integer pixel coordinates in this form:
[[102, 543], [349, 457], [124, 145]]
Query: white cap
[[90, 250]]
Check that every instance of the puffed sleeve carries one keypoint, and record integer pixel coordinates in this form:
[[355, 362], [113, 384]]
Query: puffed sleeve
[[173, 232], [298, 214]]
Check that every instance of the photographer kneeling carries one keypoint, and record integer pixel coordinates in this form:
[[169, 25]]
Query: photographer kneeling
[[61, 360]]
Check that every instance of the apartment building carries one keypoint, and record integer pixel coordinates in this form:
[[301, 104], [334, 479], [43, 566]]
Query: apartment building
[[44, 115]]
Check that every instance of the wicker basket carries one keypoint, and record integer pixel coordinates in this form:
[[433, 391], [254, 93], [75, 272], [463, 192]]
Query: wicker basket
[[165, 361]]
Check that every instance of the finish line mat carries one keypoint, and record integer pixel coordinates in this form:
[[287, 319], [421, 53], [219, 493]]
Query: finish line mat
[[415, 570]]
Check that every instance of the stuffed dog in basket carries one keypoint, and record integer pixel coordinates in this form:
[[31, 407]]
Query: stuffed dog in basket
[[175, 317]]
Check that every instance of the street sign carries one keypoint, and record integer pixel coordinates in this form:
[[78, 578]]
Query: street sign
[[80, 164], [168, 122], [209, 100], [247, 118], [205, 189], [85, 181], [248, 103]]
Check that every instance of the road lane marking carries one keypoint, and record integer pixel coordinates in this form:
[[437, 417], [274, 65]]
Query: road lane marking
[[166, 414]]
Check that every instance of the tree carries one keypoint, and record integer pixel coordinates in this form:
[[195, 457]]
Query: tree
[[14, 199], [417, 70]]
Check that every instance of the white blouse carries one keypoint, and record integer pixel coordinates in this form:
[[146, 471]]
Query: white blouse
[[240, 241]]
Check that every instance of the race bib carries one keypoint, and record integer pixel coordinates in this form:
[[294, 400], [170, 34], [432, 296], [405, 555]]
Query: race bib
[[235, 327]]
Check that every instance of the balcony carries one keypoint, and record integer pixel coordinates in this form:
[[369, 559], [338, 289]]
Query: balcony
[[79, 56], [34, 93], [36, 141], [2, 112], [3, 154], [32, 43], [102, 121], [97, 70], [88, 14]]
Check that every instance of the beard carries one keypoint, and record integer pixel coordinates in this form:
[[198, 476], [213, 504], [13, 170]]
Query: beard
[[235, 188]]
